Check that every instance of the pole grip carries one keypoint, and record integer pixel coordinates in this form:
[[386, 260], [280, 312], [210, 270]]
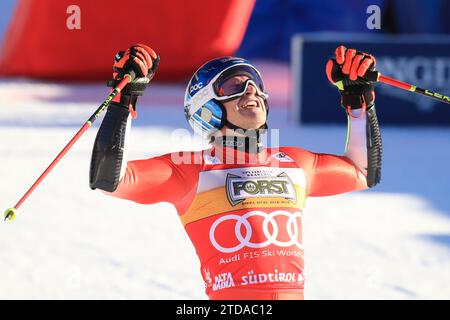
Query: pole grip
[[372, 76]]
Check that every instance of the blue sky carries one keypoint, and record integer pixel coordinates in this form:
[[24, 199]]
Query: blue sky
[[6, 8]]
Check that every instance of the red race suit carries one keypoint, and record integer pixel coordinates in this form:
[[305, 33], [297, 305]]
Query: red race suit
[[243, 212]]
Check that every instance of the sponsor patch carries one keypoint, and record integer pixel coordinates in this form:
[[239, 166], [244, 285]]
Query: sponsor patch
[[240, 188], [223, 281], [210, 159], [282, 157]]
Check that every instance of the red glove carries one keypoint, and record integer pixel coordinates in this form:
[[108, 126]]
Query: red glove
[[139, 61], [352, 72]]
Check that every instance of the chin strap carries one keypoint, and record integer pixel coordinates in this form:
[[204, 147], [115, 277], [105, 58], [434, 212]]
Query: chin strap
[[246, 144], [235, 127], [248, 140]]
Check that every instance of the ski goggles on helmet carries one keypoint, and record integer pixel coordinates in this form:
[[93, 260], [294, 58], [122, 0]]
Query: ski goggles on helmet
[[227, 87]]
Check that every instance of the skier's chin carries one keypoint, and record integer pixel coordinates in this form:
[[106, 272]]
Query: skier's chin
[[252, 122], [250, 126]]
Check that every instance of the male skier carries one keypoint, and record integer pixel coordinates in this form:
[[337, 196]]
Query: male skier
[[240, 203]]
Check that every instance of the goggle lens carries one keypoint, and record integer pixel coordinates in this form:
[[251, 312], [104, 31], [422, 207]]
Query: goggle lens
[[234, 82]]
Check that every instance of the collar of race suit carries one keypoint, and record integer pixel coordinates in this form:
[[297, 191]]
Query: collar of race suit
[[244, 143]]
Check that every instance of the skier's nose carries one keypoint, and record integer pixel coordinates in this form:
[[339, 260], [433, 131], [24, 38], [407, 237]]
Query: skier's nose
[[251, 90]]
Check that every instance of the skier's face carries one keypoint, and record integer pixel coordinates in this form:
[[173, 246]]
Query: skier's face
[[247, 111]]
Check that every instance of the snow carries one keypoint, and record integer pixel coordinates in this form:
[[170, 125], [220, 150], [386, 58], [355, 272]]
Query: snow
[[68, 242]]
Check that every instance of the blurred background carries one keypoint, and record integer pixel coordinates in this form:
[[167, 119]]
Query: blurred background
[[390, 242]]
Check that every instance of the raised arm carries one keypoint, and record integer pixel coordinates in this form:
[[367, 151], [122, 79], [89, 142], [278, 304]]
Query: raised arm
[[147, 181], [144, 181], [364, 146], [108, 156], [360, 166]]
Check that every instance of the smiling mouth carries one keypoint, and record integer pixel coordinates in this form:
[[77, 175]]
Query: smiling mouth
[[249, 105]]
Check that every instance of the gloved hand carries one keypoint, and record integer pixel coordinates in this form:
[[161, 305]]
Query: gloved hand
[[141, 62], [354, 74]]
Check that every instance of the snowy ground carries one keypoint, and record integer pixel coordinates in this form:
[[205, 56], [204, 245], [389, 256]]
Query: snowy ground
[[68, 242]]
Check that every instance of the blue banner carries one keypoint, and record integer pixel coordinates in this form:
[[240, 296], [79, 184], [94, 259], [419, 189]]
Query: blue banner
[[423, 61]]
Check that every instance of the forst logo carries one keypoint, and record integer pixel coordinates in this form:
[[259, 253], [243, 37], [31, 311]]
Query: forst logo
[[241, 188], [261, 186]]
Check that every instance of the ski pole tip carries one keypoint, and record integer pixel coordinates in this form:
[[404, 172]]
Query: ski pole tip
[[10, 214]]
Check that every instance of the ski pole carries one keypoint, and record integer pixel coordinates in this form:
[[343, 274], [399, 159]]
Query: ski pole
[[377, 76], [11, 212]]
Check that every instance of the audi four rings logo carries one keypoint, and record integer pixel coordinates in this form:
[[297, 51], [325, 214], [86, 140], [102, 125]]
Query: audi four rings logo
[[291, 229]]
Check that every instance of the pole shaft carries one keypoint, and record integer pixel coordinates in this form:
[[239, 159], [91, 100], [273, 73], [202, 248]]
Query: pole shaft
[[412, 88], [395, 82], [80, 132], [54, 163]]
